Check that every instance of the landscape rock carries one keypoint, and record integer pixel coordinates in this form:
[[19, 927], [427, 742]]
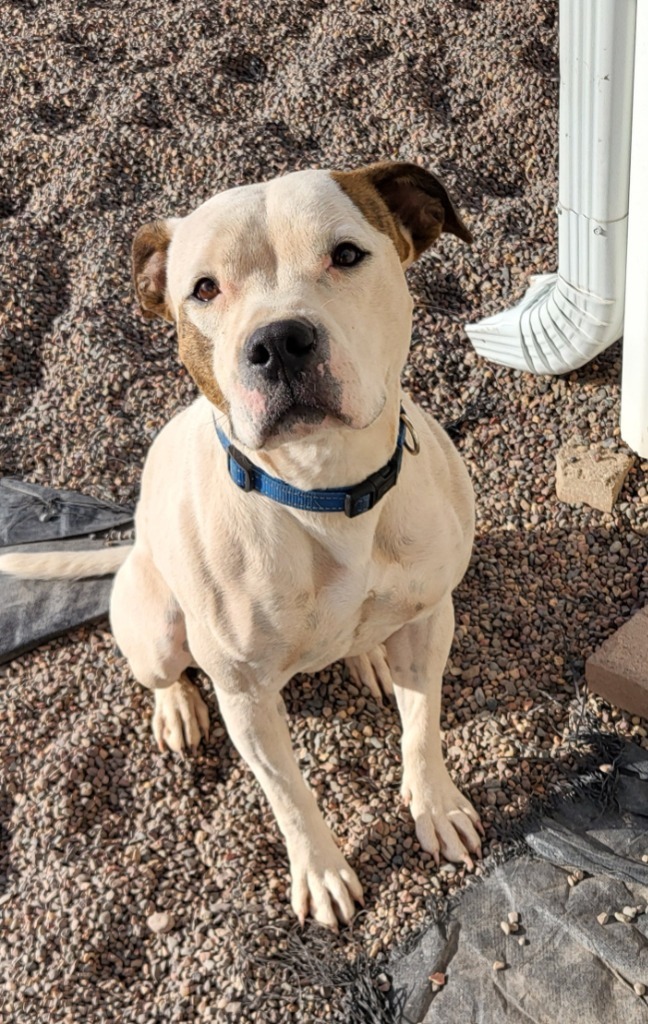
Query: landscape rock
[[593, 476]]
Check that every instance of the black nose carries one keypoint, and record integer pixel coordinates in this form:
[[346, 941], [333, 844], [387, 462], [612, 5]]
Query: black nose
[[282, 348]]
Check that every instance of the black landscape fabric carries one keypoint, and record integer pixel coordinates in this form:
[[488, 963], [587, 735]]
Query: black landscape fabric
[[563, 966], [34, 518]]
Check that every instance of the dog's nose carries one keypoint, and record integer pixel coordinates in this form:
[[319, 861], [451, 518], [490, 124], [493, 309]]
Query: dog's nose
[[282, 345]]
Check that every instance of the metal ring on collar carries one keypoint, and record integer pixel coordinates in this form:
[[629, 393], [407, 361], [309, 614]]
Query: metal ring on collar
[[412, 445]]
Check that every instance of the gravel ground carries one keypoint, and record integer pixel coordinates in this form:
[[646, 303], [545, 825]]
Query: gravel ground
[[117, 112]]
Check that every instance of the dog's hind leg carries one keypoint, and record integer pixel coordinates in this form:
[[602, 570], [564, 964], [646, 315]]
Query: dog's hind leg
[[372, 670], [149, 628]]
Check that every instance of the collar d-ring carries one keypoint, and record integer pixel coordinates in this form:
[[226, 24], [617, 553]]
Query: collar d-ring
[[410, 441]]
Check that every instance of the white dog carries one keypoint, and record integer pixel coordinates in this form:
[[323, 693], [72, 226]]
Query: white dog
[[303, 510]]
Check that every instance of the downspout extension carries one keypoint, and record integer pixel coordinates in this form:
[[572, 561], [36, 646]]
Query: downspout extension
[[568, 318]]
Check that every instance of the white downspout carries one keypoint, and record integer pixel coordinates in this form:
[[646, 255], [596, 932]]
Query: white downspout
[[634, 378], [566, 319]]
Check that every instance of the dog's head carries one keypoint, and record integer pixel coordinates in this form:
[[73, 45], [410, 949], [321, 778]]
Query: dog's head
[[289, 297]]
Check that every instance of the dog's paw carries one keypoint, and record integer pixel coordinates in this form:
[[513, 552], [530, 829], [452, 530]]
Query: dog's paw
[[446, 822], [324, 885], [372, 670], [180, 718]]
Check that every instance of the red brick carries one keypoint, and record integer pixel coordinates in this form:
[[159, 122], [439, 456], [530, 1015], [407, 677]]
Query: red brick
[[618, 671]]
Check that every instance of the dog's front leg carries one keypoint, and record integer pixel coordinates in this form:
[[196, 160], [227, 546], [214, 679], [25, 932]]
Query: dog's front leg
[[445, 821], [322, 881]]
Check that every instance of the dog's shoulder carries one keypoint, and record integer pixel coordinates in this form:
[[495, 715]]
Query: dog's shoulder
[[440, 468], [431, 510]]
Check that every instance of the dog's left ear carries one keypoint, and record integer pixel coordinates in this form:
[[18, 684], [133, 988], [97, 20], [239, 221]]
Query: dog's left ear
[[417, 200]]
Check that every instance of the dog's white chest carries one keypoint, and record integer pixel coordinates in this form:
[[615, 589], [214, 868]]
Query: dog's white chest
[[356, 612], [341, 609]]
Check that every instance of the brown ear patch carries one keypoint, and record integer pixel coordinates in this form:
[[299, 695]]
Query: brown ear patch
[[196, 353], [149, 255], [358, 186], [409, 196]]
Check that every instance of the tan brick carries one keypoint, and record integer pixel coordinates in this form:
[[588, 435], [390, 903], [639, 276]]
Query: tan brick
[[590, 475], [618, 670]]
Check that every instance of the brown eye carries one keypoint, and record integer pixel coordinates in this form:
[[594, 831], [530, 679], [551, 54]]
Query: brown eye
[[346, 254], [205, 290]]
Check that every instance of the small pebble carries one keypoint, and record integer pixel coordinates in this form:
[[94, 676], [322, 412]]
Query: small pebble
[[639, 988], [603, 918], [523, 941], [499, 965], [438, 979], [513, 917], [160, 923], [621, 917], [630, 912]]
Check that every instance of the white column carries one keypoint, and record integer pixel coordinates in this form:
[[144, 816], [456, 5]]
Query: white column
[[634, 379], [566, 319]]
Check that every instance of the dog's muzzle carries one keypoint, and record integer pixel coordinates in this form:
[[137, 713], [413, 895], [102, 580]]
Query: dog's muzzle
[[285, 364]]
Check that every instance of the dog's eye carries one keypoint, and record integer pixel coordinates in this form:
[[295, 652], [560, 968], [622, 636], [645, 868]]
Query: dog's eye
[[346, 254], [205, 289]]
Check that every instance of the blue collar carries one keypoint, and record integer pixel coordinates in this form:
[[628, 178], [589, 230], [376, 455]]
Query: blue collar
[[353, 501]]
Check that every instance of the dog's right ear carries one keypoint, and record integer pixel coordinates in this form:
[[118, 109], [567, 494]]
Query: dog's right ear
[[149, 255]]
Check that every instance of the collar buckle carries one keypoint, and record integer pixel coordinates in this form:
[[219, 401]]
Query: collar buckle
[[365, 495], [359, 499]]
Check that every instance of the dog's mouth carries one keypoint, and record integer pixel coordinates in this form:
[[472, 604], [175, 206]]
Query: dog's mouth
[[294, 408], [295, 420], [296, 414]]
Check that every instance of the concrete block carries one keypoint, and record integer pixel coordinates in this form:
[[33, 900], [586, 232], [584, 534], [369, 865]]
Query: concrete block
[[590, 475], [618, 670]]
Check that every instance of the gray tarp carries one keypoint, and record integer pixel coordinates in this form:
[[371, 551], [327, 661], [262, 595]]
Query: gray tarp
[[573, 970], [36, 518]]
